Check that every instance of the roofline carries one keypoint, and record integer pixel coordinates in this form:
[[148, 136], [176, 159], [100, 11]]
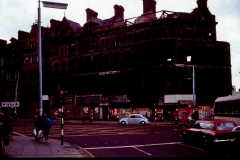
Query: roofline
[[228, 98]]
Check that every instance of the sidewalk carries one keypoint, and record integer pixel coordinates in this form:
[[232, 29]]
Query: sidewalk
[[26, 147]]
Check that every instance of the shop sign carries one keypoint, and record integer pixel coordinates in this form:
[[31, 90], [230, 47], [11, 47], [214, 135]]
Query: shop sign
[[104, 99], [10, 104], [205, 112], [119, 99], [182, 113], [159, 110], [185, 102]]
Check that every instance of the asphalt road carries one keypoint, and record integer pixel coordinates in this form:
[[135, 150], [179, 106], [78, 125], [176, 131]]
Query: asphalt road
[[113, 140]]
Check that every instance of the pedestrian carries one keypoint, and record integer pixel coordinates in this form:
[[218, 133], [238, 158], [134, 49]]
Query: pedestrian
[[38, 127], [8, 121], [9, 124], [146, 115], [47, 124], [195, 115], [176, 117], [2, 132]]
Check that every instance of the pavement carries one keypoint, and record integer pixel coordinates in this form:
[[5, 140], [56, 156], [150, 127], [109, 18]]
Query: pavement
[[26, 147]]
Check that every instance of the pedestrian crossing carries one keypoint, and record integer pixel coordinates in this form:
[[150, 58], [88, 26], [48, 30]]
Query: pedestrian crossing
[[77, 130]]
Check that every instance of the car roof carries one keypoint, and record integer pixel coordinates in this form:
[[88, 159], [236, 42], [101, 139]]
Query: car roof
[[135, 114], [215, 120]]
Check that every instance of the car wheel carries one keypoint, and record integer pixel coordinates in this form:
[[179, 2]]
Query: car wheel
[[123, 123], [206, 145], [142, 123], [184, 138]]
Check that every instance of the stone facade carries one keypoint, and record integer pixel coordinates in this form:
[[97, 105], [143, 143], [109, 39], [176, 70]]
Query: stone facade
[[116, 56]]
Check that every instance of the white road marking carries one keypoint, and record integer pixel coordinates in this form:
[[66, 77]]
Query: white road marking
[[144, 145], [142, 151]]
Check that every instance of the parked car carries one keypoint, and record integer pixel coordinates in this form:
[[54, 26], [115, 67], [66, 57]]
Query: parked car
[[134, 119], [210, 133]]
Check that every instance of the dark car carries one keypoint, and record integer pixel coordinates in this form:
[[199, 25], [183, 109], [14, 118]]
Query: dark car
[[210, 133]]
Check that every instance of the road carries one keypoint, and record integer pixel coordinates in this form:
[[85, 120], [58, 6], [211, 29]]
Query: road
[[113, 140]]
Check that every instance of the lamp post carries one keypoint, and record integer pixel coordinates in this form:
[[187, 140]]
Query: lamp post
[[15, 111], [193, 80], [48, 5]]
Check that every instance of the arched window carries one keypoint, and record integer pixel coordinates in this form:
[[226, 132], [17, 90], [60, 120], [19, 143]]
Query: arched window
[[55, 67]]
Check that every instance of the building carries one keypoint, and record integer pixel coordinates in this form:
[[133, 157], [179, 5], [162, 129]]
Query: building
[[117, 66]]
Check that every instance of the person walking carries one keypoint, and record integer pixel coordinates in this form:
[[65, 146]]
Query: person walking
[[2, 132], [47, 124], [9, 124], [175, 117], [38, 126]]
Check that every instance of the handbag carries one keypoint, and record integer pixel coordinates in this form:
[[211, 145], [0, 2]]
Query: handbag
[[34, 132], [40, 134]]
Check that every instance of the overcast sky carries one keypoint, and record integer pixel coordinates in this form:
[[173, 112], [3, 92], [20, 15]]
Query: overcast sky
[[18, 15]]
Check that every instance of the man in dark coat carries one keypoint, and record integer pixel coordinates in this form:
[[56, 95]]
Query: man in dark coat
[[2, 131], [38, 126]]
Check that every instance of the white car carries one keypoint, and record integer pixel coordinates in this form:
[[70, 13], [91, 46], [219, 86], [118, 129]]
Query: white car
[[134, 119]]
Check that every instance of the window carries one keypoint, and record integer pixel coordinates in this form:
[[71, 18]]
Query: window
[[1, 62], [225, 126], [138, 116], [33, 58], [103, 44], [195, 125], [55, 67], [189, 58], [205, 126]]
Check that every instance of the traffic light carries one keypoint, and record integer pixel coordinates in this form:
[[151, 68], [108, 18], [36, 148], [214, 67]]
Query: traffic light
[[61, 97]]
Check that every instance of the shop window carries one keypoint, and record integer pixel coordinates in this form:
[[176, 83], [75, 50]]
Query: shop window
[[55, 67], [64, 66], [103, 43]]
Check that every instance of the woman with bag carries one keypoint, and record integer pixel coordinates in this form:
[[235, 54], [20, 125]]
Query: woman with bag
[[47, 124]]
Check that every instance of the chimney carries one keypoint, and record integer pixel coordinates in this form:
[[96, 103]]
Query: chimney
[[91, 13], [149, 5], [22, 35], [119, 11], [202, 3], [3, 42]]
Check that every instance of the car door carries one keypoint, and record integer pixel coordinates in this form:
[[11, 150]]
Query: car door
[[138, 119], [193, 132], [131, 119]]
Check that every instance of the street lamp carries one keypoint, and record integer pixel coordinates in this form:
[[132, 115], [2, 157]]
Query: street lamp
[[48, 5], [15, 111], [193, 80]]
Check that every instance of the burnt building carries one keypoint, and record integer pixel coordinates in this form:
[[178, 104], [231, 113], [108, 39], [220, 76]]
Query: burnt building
[[116, 66]]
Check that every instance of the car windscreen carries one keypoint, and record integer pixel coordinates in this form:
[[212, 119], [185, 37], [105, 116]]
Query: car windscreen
[[206, 126], [225, 126]]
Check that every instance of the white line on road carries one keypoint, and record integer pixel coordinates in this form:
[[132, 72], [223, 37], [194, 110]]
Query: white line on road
[[157, 144], [142, 151]]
